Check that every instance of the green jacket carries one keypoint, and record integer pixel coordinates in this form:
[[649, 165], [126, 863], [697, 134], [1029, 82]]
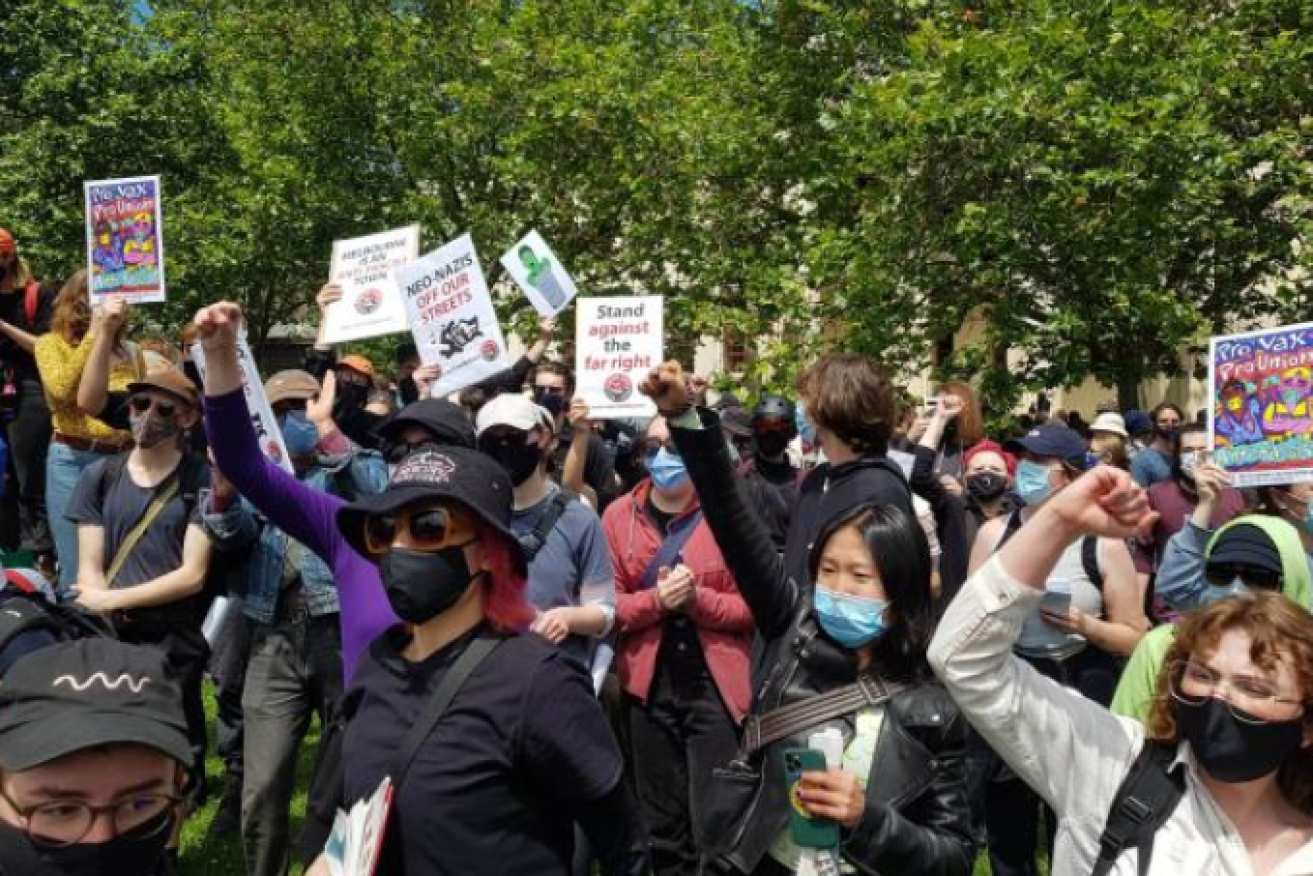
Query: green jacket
[[1139, 680]]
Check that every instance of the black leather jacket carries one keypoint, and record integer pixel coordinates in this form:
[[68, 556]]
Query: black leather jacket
[[917, 819]]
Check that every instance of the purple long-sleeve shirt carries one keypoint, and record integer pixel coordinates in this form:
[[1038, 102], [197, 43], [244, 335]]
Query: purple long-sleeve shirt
[[307, 515]]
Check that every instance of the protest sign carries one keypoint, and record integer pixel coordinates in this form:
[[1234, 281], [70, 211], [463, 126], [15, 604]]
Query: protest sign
[[617, 341], [536, 270], [1261, 428], [451, 315], [125, 239], [262, 415], [371, 304]]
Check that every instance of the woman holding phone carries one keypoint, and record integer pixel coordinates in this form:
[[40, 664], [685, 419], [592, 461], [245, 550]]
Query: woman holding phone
[[1090, 618], [843, 662]]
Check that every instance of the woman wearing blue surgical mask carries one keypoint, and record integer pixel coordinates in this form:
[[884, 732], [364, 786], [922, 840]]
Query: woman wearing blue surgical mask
[[842, 667], [1091, 618]]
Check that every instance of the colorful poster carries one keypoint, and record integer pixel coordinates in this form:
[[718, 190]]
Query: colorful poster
[[262, 415], [1261, 428], [452, 317], [371, 304], [617, 342], [538, 272], [125, 239]]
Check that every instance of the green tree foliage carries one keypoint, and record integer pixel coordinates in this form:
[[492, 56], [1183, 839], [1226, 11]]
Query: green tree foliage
[[1101, 182]]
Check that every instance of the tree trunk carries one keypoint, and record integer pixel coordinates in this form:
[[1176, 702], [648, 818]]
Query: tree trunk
[[1128, 393]]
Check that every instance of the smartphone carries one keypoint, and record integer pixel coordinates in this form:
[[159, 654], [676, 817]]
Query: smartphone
[[1057, 596], [807, 831]]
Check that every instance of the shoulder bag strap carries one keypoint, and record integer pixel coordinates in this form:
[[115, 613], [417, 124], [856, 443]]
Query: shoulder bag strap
[[163, 496], [786, 721], [535, 540], [671, 548], [452, 682]]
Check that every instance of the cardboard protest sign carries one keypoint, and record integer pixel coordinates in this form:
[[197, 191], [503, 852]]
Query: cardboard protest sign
[[617, 341], [537, 271], [371, 304], [125, 239], [262, 415], [1261, 428], [452, 317]]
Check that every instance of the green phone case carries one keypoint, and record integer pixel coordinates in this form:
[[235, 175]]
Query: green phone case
[[808, 832]]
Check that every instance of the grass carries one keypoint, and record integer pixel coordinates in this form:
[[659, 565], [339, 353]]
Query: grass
[[204, 856]]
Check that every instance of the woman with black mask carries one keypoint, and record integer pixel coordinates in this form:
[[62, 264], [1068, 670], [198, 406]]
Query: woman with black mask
[[1228, 737], [842, 658]]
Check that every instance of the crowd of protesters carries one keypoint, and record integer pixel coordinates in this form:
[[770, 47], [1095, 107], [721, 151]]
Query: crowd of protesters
[[836, 630]]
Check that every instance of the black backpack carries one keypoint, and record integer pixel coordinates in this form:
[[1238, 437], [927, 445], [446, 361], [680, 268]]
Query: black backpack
[[30, 622], [534, 541], [1145, 800]]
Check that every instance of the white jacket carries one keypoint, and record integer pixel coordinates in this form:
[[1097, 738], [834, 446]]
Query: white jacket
[[1071, 750]]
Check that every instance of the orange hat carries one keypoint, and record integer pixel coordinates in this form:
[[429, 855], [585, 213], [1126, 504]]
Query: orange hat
[[7, 242], [358, 363]]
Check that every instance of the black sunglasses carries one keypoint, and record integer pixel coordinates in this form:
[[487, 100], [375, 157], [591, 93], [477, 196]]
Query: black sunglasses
[[143, 403], [652, 446], [399, 450], [1252, 577]]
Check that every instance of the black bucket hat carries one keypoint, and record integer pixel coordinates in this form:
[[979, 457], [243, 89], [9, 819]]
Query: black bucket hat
[[451, 474]]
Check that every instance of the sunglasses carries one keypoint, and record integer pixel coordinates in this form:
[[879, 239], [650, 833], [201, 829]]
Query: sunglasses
[[428, 529], [1253, 578], [772, 424], [652, 446], [491, 442], [549, 390], [143, 403], [284, 408], [399, 450]]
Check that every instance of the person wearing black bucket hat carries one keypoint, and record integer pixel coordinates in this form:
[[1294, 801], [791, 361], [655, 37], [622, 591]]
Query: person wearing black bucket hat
[[1092, 618], [496, 781], [93, 749]]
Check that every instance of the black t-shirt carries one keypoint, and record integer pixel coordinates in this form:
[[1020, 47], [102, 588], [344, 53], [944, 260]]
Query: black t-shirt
[[13, 310], [124, 504], [495, 786]]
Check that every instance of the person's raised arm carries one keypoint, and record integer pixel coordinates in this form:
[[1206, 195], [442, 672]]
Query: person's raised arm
[[546, 331], [576, 458], [744, 541], [93, 388], [1180, 580]]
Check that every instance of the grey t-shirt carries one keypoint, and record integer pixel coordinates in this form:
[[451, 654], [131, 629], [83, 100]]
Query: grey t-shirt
[[124, 504], [573, 568]]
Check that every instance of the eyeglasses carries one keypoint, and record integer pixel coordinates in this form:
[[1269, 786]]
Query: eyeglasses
[[652, 446], [284, 408], [1252, 577], [549, 390], [143, 403], [428, 529], [59, 823], [1193, 684]]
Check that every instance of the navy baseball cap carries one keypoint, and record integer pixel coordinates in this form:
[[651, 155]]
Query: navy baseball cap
[[1056, 441]]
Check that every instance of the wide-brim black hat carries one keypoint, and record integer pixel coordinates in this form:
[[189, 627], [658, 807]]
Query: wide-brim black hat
[[452, 474]]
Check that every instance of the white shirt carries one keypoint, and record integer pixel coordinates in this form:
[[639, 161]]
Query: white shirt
[[1073, 752]]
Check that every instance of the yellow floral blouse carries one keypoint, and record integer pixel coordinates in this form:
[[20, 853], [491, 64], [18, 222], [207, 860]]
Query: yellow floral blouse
[[61, 364]]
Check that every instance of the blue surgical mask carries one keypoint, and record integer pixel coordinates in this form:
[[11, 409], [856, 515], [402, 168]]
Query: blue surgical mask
[[299, 434], [806, 430], [852, 621], [1033, 485], [1216, 594], [668, 471]]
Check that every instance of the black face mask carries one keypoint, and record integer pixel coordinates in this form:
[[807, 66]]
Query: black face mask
[[1230, 750], [350, 398], [771, 444], [986, 486], [554, 402], [1167, 433], [123, 854], [519, 461], [421, 585]]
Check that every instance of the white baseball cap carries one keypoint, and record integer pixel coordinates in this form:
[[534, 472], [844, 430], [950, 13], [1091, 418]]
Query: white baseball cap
[[514, 410]]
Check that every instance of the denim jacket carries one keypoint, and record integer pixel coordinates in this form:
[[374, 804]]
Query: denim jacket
[[355, 472]]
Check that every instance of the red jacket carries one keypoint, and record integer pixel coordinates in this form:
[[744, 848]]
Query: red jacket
[[722, 619]]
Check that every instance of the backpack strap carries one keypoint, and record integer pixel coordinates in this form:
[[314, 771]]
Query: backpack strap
[[1146, 799], [1089, 558], [1010, 528], [535, 540]]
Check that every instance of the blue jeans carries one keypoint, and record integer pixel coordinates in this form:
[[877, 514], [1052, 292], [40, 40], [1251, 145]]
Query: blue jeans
[[64, 466]]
